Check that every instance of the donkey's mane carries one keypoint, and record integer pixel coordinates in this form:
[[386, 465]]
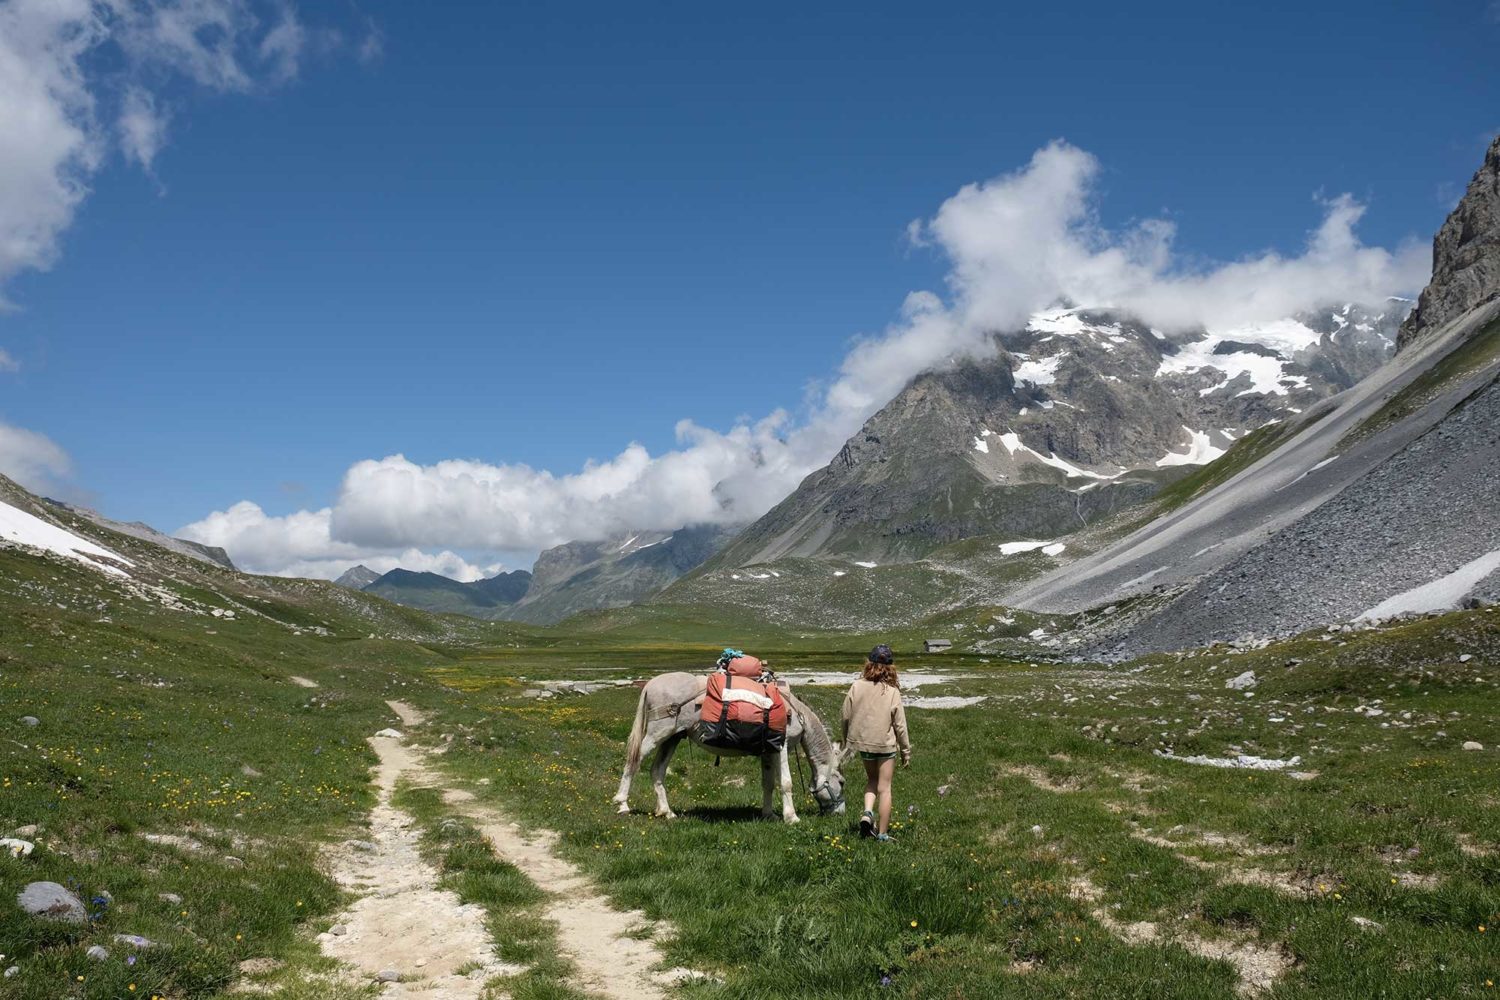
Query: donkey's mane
[[814, 734]]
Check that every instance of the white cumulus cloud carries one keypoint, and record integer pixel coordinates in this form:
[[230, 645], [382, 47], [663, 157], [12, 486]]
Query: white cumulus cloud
[[33, 460], [82, 78], [1014, 245], [299, 544]]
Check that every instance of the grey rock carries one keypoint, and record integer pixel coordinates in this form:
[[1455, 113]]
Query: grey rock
[[14, 970], [1473, 745], [50, 901], [362, 845], [249, 771], [1243, 682], [30, 720], [338, 930], [233, 861], [387, 976], [170, 897], [29, 830], [1465, 256], [97, 953], [135, 941], [357, 577]]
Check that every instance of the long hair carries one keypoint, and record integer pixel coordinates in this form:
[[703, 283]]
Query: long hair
[[881, 673]]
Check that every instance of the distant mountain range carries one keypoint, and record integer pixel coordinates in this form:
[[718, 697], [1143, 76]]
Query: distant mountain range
[[567, 579]]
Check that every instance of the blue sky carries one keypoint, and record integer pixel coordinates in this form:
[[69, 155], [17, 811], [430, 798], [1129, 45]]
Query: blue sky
[[536, 233]]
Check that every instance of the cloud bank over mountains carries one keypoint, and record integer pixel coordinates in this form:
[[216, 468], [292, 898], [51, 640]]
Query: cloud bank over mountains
[[1014, 245]]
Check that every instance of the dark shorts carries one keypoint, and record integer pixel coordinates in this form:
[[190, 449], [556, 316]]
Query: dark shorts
[[872, 755]]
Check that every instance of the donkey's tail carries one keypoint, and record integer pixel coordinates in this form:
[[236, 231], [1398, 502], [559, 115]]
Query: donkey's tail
[[637, 735]]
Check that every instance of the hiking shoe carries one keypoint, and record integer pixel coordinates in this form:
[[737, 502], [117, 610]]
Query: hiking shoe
[[885, 838], [867, 824]]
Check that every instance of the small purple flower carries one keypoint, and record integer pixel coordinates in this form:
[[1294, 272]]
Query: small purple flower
[[885, 980], [130, 960]]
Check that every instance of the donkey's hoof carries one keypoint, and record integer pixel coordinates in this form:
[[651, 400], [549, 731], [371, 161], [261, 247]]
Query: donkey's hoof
[[793, 819], [624, 808], [669, 814]]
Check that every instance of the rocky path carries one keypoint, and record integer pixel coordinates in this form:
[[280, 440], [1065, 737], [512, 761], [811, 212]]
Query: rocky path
[[424, 942]]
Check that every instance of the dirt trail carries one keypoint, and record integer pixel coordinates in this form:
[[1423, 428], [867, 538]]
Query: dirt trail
[[403, 923]]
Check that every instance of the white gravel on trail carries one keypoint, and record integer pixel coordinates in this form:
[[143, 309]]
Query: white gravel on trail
[[403, 922]]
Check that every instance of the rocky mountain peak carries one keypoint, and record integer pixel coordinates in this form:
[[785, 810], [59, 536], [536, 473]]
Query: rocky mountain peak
[[1465, 256], [357, 577]]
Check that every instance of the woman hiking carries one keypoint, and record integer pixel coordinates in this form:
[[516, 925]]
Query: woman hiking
[[875, 725]]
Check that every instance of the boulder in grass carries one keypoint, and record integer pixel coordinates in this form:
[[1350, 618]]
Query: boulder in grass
[[1243, 682], [390, 734], [16, 847], [50, 901]]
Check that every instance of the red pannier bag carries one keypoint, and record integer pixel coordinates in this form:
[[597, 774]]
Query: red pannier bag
[[742, 713]]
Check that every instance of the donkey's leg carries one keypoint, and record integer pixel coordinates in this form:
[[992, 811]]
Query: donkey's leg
[[659, 774], [767, 786], [788, 802], [627, 774]]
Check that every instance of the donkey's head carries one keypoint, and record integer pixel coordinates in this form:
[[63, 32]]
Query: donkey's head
[[829, 788]]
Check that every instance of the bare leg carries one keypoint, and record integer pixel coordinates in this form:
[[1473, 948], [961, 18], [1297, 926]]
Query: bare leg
[[872, 783], [659, 775], [887, 771], [627, 774], [767, 787], [788, 798]]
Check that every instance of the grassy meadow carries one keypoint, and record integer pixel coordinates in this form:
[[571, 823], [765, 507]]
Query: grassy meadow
[[186, 786], [1044, 848]]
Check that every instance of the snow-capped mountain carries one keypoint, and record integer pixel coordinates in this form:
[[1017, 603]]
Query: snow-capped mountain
[[1382, 501], [1073, 417]]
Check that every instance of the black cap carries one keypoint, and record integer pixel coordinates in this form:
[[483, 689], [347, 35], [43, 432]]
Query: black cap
[[882, 654]]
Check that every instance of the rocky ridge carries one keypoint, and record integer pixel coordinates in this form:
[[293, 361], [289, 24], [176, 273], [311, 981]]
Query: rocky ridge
[[1465, 255]]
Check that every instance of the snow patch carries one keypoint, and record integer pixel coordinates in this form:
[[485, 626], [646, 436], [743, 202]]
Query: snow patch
[[1201, 451], [20, 528], [1268, 375], [944, 701], [1012, 442], [1245, 761], [1038, 372], [867, 565], [981, 445], [1012, 548], [1439, 595], [1055, 549], [836, 678]]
